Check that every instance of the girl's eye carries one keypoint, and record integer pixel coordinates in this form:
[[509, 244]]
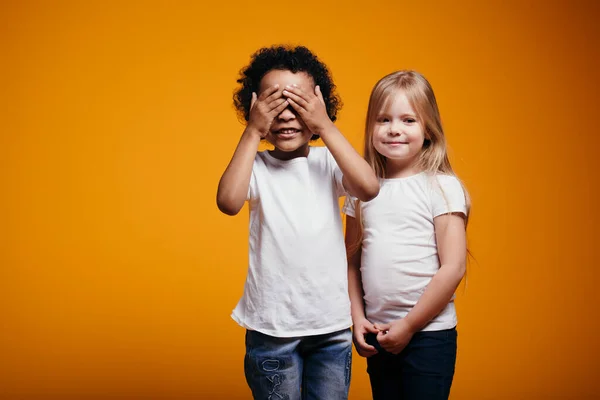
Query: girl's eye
[[384, 119], [410, 120]]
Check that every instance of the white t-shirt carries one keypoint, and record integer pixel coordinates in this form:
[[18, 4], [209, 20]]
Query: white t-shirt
[[399, 252], [297, 281]]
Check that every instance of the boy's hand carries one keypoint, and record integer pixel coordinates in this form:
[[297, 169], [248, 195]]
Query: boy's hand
[[359, 331], [310, 107], [264, 109], [395, 336]]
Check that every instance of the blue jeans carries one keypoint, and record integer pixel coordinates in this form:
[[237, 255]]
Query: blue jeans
[[306, 367], [423, 370]]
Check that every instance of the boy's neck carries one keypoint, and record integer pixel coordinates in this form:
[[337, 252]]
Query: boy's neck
[[301, 151]]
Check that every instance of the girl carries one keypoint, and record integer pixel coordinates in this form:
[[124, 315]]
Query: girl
[[407, 247]]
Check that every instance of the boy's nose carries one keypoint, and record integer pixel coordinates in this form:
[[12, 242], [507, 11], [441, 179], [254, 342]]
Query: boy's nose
[[286, 115]]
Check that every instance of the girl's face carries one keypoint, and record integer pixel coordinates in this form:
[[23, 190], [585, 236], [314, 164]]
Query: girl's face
[[288, 133], [398, 134]]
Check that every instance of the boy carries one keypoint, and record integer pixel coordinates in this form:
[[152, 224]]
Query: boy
[[295, 305]]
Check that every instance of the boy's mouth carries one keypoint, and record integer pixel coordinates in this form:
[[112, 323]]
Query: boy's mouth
[[286, 133]]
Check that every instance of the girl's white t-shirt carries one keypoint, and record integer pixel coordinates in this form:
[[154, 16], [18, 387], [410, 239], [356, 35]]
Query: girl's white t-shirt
[[297, 283], [399, 252]]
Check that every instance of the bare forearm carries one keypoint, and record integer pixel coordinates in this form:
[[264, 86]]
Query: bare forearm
[[356, 292], [233, 186], [359, 176], [436, 296]]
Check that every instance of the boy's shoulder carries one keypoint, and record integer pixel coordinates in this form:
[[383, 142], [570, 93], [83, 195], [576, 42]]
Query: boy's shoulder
[[320, 151]]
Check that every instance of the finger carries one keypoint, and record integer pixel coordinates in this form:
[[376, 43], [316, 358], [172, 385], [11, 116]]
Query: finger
[[371, 328], [276, 95], [279, 108], [319, 94], [367, 347], [268, 91], [366, 353], [381, 338], [362, 343], [382, 327], [296, 106], [252, 100], [294, 94]]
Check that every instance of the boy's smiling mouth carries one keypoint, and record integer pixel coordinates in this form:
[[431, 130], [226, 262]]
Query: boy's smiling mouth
[[286, 133]]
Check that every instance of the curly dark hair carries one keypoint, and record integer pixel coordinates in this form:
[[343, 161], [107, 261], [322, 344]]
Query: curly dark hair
[[294, 59]]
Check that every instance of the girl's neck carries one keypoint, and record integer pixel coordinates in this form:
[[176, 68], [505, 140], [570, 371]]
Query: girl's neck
[[401, 168]]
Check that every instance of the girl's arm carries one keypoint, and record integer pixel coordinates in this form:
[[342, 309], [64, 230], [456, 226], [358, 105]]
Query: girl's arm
[[359, 179], [233, 186], [452, 251], [361, 325]]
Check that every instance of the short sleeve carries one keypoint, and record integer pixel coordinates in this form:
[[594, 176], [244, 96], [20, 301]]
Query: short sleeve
[[337, 174], [350, 206], [448, 196]]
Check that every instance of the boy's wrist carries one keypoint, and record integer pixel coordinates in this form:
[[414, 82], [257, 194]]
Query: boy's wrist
[[325, 130], [253, 132]]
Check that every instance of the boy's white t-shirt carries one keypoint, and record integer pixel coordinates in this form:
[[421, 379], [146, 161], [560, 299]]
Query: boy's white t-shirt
[[399, 253], [297, 274]]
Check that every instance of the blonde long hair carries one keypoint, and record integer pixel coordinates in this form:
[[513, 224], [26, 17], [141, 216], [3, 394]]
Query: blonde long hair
[[433, 157]]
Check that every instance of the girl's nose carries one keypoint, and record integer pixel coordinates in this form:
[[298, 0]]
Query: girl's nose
[[395, 129]]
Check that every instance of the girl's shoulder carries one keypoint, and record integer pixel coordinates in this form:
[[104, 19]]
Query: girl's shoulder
[[445, 182]]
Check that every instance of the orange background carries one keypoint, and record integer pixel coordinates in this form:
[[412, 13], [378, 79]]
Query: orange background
[[117, 272]]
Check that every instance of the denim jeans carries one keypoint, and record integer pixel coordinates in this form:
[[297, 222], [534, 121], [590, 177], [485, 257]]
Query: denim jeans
[[423, 370], [307, 367]]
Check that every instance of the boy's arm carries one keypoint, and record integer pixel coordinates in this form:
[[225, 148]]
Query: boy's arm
[[359, 178], [233, 186]]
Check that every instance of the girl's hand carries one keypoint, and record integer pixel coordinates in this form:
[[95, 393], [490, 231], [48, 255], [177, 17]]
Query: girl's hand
[[359, 331], [395, 336], [264, 109], [310, 107]]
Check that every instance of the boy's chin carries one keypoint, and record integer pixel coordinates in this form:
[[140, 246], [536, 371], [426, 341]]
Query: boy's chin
[[286, 149], [289, 148], [288, 145]]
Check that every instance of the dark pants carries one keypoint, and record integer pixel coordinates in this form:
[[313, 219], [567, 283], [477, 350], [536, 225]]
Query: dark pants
[[422, 371]]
